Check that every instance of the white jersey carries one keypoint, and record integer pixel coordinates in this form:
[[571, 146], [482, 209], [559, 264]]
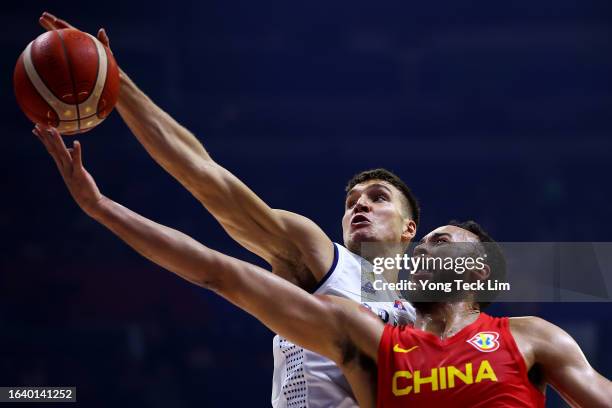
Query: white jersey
[[303, 379]]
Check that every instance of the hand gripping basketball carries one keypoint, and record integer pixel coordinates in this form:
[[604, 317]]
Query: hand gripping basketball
[[66, 78], [50, 22]]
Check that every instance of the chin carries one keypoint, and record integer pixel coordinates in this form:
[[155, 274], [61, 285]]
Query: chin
[[354, 244], [364, 235]]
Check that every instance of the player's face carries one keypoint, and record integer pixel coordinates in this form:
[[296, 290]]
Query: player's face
[[374, 212], [433, 243], [444, 243]]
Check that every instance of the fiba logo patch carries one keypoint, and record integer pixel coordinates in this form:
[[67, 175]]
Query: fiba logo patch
[[485, 341]]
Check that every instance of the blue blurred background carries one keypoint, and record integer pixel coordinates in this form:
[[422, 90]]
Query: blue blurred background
[[493, 111]]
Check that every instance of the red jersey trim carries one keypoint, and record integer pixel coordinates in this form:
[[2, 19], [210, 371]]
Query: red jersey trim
[[455, 337]]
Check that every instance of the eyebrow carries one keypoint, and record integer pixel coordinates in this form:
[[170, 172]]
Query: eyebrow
[[436, 235], [371, 186]]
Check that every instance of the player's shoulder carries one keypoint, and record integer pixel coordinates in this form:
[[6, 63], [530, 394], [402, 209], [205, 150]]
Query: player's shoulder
[[530, 322], [530, 325], [525, 322], [539, 331]]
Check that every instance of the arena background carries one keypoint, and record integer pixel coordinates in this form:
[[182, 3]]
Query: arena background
[[495, 112]]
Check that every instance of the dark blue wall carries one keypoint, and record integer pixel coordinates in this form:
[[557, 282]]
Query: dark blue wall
[[493, 111]]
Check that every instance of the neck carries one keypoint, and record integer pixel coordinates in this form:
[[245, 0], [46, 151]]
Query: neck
[[445, 319]]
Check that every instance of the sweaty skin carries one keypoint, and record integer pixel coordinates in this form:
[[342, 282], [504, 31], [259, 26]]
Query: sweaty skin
[[336, 328]]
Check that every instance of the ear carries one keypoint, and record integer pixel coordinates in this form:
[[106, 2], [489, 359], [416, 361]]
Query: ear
[[481, 274], [409, 230]]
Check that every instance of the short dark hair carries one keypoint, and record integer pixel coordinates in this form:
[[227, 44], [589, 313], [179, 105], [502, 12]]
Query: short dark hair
[[495, 256], [394, 180]]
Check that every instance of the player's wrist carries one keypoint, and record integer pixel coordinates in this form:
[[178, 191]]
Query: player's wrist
[[97, 208], [128, 91], [124, 79]]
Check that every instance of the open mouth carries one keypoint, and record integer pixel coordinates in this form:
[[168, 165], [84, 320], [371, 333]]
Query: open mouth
[[359, 220]]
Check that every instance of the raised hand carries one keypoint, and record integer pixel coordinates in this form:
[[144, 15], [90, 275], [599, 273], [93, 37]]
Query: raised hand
[[50, 22], [69, 161]]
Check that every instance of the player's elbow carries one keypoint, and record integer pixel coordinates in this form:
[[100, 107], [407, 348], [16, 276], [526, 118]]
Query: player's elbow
[[327, 304], [332, 313], [338, 346]]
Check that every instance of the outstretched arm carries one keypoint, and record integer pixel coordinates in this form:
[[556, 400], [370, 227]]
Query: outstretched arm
[[564, 365], [296, 247], [311, 321]]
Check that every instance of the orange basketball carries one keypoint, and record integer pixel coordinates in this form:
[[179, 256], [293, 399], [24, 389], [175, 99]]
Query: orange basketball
[[66, 79]]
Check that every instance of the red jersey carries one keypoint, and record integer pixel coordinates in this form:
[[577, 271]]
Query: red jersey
[[480, 366]]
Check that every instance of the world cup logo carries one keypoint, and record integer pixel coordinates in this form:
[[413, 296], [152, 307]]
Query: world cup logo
[[485, 341]]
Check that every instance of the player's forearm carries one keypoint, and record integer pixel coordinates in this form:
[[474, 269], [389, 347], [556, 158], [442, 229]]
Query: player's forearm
[[587, 390], [175, 148], [280, 305], [565, 366], [246, 217], [169, 248], [180, 153], [307, 320]]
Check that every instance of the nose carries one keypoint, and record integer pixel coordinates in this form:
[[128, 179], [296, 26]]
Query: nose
[[362, 205]]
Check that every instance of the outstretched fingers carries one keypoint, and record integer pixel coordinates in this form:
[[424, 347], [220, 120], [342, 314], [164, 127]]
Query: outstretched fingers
[[39, 134], [77, 157], [60, 147], [50, 22], [103, 37], [46, 23], [56, 147]]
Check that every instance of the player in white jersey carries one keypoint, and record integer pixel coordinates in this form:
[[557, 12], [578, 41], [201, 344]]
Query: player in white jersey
[[303, 378], [379, 208]]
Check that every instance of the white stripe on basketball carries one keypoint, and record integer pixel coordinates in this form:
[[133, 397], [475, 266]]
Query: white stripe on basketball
[[90, 105], [63, 110]]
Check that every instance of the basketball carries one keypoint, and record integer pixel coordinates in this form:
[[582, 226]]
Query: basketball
[[66, 79]]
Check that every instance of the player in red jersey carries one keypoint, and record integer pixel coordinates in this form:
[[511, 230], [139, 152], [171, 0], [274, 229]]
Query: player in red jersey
[[453, 356]]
